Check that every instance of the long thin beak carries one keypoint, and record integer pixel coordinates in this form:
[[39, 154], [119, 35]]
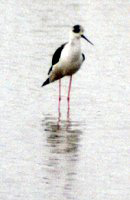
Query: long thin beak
[[87, 39]]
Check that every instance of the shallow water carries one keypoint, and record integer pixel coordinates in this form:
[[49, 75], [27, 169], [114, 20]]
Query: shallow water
[[81, 155]]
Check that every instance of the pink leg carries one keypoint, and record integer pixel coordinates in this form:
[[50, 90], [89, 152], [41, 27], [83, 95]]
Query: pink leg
[[68, 98], [59, 96]]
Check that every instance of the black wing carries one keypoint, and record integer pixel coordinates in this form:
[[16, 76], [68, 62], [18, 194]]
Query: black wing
[[56, 56], [83, 56]]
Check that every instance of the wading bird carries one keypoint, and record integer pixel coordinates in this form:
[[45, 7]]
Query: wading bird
[[67, 59]]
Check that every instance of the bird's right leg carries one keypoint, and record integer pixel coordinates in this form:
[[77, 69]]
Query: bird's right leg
[[68, 98]]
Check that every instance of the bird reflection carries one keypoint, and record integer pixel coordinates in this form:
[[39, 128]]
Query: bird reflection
[[64, 130], [62, 142], [67, 118]]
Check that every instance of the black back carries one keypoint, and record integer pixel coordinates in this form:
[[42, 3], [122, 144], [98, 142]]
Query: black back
[[56, 56]]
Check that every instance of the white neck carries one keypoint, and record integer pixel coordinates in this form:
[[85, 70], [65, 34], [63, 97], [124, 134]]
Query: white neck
[[74, 38]]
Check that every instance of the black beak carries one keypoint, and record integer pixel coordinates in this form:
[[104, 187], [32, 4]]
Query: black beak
[[87, 39]]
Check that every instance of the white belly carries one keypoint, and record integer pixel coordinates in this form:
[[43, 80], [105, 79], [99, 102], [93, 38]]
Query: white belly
[[70, 60]]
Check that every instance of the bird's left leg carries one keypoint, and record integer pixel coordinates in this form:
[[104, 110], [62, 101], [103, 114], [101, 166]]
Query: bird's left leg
[[59, 96], [59, 89]]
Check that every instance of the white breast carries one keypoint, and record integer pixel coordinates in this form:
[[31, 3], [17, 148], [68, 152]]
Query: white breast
[[71, 58]]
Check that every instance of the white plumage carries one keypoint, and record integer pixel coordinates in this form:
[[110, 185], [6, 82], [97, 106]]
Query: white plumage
[[68, 58]]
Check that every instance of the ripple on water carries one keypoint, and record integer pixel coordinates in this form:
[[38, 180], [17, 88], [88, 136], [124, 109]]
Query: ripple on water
[[62, 135]]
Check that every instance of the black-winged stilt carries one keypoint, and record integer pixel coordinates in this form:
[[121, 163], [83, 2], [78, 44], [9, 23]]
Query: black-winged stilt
[[67, 60]]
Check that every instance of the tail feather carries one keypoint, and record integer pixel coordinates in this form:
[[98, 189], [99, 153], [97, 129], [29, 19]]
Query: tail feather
[[46, 82]]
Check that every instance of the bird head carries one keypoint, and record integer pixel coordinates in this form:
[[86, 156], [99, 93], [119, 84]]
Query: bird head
[[77, 32]]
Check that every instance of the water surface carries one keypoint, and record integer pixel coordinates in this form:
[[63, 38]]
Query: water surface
[[83, 155]]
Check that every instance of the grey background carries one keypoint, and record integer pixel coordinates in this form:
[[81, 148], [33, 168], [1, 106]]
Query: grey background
[[87, 157]]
